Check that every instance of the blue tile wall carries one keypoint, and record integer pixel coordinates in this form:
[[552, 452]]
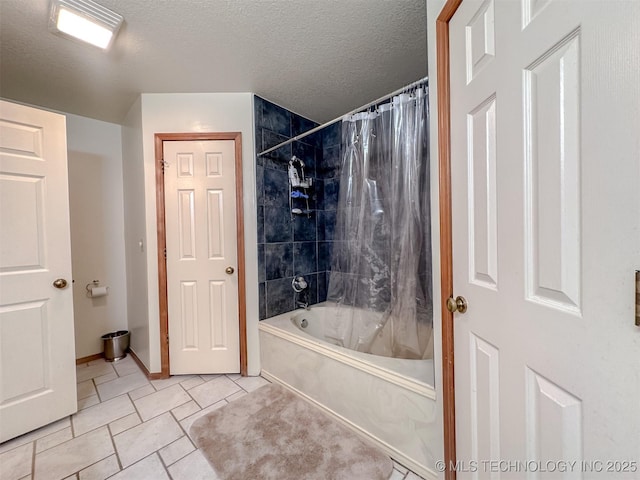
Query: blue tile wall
[[290, 244], [305, 228], [278, 260], [330, 193], [275, 194], [304, 257], [279, 296], [277, 225]]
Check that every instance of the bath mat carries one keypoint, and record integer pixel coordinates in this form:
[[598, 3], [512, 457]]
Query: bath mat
[[271, 433]]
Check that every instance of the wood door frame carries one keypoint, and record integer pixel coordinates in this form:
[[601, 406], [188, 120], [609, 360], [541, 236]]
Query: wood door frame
[[446, 248], [160, 138]]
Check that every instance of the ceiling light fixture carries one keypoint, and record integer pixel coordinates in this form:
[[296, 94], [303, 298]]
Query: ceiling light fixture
[[84, 20]]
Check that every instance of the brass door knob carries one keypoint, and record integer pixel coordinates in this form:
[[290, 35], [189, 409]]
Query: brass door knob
[[229, 270], [60, 283], [458, 304]]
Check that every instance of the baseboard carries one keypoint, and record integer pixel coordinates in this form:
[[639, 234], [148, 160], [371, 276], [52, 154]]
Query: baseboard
[[90, 358], [150, 376], [396, 455]]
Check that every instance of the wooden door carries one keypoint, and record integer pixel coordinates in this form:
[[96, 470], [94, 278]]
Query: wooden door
[[202, 256], [545, 115], [37, 348]]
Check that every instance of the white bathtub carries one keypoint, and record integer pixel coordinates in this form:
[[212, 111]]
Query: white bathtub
[[390, 401]]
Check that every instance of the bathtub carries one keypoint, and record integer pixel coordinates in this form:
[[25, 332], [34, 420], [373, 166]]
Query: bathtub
[[389, 401]]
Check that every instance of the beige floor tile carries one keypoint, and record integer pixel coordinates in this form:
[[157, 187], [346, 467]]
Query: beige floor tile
[[138, 442], [401, 468], [101, 470], [183, 411], [193, 466], [88, 402], [396, 475], [105, 378], [16, 463], [142, 392], [53, 439], [74, 455], [413, 476], [234, 376], [206, 378], [178, 449], [213, 391], [186, 423], [86, 389], [36, 434], [121, 385], [168, 382], [126, 366], [236, 396], [124, 423], [84, 373], [251, 383], [192, 382], [101, 414], [161, 402], [148, 469]]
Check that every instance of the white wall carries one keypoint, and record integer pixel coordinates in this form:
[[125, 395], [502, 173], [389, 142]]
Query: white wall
[[135, 232], [433, 10], [97, 229], [179, 113]]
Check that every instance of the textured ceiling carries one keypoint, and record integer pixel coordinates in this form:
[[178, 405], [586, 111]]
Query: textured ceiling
[[319, 58]]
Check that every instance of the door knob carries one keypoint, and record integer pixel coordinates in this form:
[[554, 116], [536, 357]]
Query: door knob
[[59, 283], [229, 270], [458, 304]]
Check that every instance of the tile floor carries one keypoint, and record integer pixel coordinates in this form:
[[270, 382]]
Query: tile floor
[[129, 428]]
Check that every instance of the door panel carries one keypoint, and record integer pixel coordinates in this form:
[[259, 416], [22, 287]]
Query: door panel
[[37, 354], [200, 206], [546, 232]]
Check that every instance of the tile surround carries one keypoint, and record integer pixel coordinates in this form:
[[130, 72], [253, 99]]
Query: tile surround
[[278, 229], [110, 440]]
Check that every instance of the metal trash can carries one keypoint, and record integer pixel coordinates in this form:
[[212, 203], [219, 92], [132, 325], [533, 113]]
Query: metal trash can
[[115, 345]]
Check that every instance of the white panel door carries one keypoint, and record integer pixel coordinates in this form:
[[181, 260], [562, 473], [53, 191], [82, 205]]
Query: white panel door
[[546, 237], [37, 348], [200, 209]]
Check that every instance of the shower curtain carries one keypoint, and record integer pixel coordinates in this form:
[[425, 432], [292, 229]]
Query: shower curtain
[[380, 279]]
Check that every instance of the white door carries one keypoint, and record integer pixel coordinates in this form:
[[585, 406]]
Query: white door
[[37, 348], [202, 285], [546, 236]]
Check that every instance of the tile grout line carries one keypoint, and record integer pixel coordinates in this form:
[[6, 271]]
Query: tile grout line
[[33, 459], [241, 390]]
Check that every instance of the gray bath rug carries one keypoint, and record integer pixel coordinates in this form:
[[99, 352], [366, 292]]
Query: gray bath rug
[[271, 433]]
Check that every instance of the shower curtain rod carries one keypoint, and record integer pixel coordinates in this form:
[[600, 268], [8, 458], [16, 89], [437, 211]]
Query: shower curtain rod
[[356, 110]]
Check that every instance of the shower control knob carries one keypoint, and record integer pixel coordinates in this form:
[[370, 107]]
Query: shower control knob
[[458, 304], [229, 270]]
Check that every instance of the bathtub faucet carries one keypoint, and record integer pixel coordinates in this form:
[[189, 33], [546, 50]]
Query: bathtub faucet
[[302, 299], [300, 287]]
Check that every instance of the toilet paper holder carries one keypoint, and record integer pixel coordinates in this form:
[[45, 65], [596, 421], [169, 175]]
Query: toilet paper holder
[[95, 284]]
